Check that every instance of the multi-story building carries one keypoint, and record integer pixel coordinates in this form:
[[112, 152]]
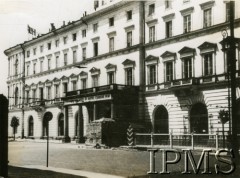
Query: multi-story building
[[158, 63]]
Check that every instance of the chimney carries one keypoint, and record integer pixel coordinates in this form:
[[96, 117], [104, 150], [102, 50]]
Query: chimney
[[85, 13], [63, 23], [53, 27]]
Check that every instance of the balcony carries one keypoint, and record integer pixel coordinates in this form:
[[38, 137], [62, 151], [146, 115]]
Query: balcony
[[191, 84], [106, 92]]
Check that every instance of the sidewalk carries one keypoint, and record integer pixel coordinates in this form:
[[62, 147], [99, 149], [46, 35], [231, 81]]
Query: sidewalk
[[35, 171]]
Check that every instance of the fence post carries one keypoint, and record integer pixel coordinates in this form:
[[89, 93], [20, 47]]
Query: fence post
[[192, 141], [3, 136], [216, 141], [171, 141], [152, 139]]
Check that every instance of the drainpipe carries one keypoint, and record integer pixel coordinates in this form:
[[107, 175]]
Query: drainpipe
[[23, 90], [142, 52]]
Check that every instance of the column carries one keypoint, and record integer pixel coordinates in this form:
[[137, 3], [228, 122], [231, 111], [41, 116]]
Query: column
[[66, 137], [94, 111], [80, 127], [113, 111]]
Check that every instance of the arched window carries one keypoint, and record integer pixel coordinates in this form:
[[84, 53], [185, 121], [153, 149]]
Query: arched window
[[161, 124], [16, 67], [30, 126], [61, 125], [199, 118], [16, 95]]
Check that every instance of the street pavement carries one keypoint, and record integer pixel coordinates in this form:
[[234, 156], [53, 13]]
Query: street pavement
[[77, 160]]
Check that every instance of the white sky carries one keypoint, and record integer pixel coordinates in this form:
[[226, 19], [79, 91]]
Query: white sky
[[15, 15]]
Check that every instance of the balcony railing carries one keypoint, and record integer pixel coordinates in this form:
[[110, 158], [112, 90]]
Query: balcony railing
[[100, 89], [190, 81]]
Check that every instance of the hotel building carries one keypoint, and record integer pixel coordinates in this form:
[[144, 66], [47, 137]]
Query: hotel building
[[158, 64]]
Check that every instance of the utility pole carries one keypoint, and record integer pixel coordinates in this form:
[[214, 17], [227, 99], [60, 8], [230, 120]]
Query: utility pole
[[231, 55]]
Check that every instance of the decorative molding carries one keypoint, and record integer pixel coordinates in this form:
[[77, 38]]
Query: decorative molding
[[152, 22], [95, 71], [187, 11], [186, 52], [207, 5], [168, 17], [207, 47], [129, 28], [111, 34], [96, 39]]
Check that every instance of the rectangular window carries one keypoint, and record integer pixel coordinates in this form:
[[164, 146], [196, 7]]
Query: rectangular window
[[169, 71], [187, 23], [49, 64], [28, 53], [152, 34], [111, 44], [129, 15], [111, 21], [41, 66], [65, 40], [27, 97], [168, 29], [34, 51], [208, 64], [34, 68], [57, 43], [111, 78], [34, 95], [74, 36], [94, 80], [95, 27], [152, 74], [129, 76], [207, 18], [41, 48], [187, 68], [95, 48], [129, 39], [41, 93], [49, 46], [65, 58], [57, 61], [168, 4], [84, 83], [84, 33], [49, 93], [57, 91], [151, 9], [74, 85], [74, 56], [65, 87], [28, 69], [84, 54]]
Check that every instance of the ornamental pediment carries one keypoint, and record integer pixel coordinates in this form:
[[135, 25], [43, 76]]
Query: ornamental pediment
[[128, 62], [186, 50], [168, 54], [94, 70], [207, 45]]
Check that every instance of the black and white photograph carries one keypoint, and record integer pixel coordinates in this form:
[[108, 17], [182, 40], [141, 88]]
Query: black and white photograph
[[119, 88]]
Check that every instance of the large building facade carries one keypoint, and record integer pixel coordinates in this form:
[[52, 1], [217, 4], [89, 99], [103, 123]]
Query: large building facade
[[156, 63]]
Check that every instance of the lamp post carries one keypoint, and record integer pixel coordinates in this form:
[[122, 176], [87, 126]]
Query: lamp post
[[48, 117], [229, 44]]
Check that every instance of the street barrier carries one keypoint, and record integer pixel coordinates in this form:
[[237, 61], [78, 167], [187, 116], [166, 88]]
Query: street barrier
[[172, 140]]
